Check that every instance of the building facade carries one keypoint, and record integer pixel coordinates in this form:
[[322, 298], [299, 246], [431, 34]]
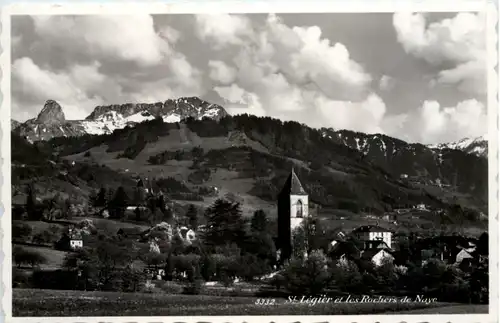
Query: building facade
[[372, 232]]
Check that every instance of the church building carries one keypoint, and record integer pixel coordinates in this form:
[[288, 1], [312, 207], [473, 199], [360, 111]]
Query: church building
[[293, 208]]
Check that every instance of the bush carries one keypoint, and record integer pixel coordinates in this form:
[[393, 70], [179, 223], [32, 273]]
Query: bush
[[45, 237], [132, 280], [170, 287], [194, 288], [148, 287], [27, 257]]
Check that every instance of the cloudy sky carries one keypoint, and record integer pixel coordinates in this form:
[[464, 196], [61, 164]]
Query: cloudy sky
[[418, 77]]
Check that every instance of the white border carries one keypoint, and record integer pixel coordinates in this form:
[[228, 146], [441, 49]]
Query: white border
[[256, 7]]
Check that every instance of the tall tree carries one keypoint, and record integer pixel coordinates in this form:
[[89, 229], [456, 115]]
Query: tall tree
[[192, 215], [259, 221], [101, 198], [119, 203], [224, 223], [139, 194], [31, 207]]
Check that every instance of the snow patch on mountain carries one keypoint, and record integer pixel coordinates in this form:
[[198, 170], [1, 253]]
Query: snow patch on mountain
[[106, 119], [477, 146]]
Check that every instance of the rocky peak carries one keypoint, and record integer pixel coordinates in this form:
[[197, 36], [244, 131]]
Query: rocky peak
[[51, 113], [182, 108]]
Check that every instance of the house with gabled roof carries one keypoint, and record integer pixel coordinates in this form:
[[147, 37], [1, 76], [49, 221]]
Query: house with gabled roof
[[373, 232]]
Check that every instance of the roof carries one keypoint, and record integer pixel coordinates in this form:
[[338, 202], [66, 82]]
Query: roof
[[75, 236], [344, 247], [293, 185], [377, 244], [370, 253], [465, 254]]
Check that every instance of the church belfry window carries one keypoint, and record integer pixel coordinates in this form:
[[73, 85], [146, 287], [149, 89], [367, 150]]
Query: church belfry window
[[300, 209]]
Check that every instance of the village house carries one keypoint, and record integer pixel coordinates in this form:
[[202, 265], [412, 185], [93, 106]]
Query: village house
[[75, 239], [72, 240], [373, 232]]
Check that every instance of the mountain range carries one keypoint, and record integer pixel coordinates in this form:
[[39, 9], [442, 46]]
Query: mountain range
[[194, 151], [51, 122]]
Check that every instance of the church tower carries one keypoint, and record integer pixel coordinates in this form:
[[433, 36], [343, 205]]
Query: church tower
[[293, 209]]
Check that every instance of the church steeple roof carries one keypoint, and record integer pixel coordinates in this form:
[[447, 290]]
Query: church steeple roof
[[293, 185]]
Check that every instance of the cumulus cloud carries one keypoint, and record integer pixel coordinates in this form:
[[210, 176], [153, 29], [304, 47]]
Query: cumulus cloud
[[105, 60], [267, 68], [365, 116], [239, 101], [223, 29], [433, 123], [221, 72], [129, 38], [456, 46], [291, 73], [34, 85]]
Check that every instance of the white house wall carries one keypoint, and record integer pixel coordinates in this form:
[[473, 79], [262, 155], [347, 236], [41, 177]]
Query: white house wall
[[384, 236], [379, 258]]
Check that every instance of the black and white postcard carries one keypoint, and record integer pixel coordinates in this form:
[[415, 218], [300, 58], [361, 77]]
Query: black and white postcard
[[238, 161]]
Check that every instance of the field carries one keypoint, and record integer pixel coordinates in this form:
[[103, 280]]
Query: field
[[29, 302]]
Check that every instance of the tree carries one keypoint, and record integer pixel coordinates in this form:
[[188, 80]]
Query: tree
[[45, 236], [208, 267], [31, 206], [102, 265], [152, 204], [252, 266], [308, 276], [347, 277], [168, 215], [139, 194], [138, 213], [160, 203], [224, 224], [482, 245], [27, 257], [51, 209], [99, 199], [259, 221], [118, 204], [192, 215], [261, 245], [132, 279], [299, 242]]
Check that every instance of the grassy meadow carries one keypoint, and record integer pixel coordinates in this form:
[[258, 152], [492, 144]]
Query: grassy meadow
[[32, 302]]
